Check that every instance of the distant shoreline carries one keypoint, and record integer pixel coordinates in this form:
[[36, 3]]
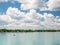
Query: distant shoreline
[[22, 30]]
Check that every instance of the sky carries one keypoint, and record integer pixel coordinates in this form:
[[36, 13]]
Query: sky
[[30, 14]]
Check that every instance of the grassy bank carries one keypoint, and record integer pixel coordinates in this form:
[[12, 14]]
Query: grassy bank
[[18, 30]]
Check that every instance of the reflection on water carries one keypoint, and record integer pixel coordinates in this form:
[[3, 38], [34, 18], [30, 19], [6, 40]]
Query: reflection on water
[[32, 38]]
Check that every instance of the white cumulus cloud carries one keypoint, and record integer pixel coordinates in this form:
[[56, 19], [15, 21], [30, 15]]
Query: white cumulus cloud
[[53, 5], [3, 0], [43, 5], [32, 4], [15, 19]]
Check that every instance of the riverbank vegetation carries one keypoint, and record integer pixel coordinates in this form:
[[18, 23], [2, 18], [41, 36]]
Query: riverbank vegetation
[[22, 30]]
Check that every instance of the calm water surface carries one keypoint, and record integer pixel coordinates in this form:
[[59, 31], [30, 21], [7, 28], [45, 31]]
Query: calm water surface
[[32, 38]]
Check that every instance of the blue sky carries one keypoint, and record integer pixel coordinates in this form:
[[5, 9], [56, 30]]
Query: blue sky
[[30, 14]]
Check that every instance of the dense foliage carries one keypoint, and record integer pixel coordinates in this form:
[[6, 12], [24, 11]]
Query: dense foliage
[[22, 30]]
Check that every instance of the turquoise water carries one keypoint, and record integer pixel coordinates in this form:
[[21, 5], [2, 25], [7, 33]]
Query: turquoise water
[[32, 38]]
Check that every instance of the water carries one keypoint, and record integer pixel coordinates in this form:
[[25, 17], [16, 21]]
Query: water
[[32, 38]]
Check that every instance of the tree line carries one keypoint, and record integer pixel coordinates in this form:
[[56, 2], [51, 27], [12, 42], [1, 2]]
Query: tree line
[[30, 30]]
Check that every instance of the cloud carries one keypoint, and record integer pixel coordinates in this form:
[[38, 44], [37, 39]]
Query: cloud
[[15, 19], [53, 5], [43, 5], [29, 4], [32, 4], [3, 0]]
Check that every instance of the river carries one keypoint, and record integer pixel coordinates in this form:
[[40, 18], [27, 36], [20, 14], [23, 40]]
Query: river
[[30, 38]]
